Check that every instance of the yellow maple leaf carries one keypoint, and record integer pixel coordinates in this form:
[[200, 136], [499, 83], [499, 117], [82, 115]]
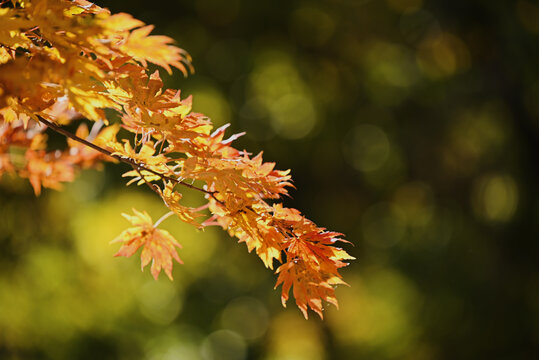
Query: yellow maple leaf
[[159, 245], [172, 201], [155, 49], [121, 22]]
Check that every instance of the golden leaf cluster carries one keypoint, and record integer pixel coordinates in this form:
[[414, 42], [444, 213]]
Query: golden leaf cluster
[[63, 60]]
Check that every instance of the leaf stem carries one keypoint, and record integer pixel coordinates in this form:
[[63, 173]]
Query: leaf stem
[[164, 217]]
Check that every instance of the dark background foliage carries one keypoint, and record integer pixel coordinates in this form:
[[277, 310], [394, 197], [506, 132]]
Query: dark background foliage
[[412, 126]]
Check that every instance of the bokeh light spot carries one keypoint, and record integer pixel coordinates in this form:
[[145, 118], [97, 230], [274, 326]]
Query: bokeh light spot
[[246, 316], [391, 72], [383, 225], [495, 197], [476, 134], [224, 59], [174, 342], [442, 55], [388, 64], [293, 338], [415, 203], [255, 119], [367, 147], [379, 311], [528, 14], [208, 99], [312, 26], [278, 87], [293, 116], [405, 6], [417, 25], [223, 345], [218, 12], [159, 301]]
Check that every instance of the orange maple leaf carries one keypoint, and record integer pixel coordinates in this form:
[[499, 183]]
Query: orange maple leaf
[[47, 170], [159, 245]]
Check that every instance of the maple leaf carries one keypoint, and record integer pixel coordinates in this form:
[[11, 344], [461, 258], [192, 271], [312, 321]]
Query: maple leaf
[[122, 22], [159, 245], [310, 285], [252, 226], [85, 157], [172, 201], [47, 170], [145, 156], [312, 261], [312, 271], [155, 49]]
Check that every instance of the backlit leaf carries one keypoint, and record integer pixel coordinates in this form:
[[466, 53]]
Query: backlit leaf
[[159, 247]]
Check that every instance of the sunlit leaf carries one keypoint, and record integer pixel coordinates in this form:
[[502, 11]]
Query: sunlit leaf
[[159, 247]]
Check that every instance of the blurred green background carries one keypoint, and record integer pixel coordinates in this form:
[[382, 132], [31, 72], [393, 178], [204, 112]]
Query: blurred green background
[[412, 126]]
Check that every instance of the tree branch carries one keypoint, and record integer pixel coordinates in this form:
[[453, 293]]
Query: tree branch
[[128, 161]]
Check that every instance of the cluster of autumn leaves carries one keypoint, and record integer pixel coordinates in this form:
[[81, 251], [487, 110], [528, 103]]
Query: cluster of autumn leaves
[[63, 60]]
